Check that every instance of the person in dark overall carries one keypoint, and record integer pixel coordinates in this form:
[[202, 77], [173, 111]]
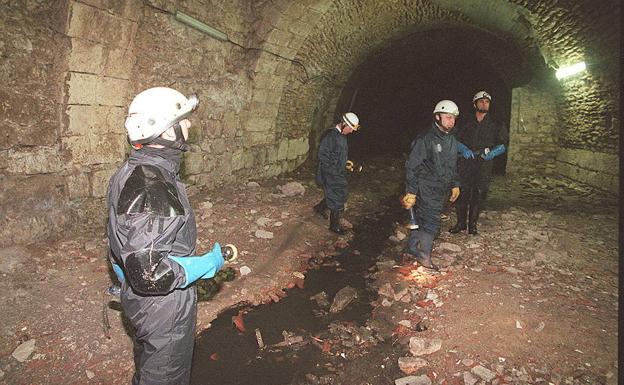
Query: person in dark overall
[[332, 166], [152, 236], [481, 139], [430, 172]]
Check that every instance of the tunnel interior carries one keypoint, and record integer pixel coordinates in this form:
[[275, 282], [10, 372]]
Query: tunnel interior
[[285, 72], [395, 89]]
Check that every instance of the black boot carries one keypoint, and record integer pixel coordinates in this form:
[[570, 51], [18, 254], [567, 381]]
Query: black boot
[[473, 216], [321, 209], [460, 209], [334, 222], [420, 246]]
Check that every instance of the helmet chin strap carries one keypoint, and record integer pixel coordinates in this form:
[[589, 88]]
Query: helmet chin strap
[[179, 143]]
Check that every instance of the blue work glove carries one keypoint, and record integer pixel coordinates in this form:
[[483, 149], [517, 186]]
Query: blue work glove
[[493, 153], [465, 151], [200, 267]]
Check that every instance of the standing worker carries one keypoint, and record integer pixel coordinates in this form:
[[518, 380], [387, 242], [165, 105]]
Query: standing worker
[[152, 235], [332, 166], [430, 172], [481, 140]]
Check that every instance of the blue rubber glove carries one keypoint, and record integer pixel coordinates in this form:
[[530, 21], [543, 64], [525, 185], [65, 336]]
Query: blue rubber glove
[[493, 153], [465, 151], [119, 273], [200, 267]]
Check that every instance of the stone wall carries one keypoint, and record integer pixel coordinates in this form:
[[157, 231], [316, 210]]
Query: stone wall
[[588, 103], [33, 193], [534, 129], [590, 167]]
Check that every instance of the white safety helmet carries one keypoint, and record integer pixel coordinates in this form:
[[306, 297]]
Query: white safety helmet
[[481, 95], [351, 120], [154, 110], [446, 106]]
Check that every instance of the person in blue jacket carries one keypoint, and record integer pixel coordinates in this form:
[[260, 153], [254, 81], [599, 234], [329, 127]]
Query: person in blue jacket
[[332, 167], [481, 139], [152, 237], [430, 172]]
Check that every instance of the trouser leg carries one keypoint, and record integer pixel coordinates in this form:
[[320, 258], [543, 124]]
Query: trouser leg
[[164, 336], [334, 222], [321, 208], [478, 197], [420, 245], [461, 208]]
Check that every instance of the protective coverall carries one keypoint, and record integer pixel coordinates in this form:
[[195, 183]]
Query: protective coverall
[[475, 173], [331, 175], [430, 172], [331, 172], [150, 218]]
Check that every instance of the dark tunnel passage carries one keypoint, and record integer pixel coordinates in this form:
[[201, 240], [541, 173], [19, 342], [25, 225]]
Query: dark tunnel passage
[[395, 90]]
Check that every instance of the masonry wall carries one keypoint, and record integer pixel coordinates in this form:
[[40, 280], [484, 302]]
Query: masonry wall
[[33, 192], [534, 129]]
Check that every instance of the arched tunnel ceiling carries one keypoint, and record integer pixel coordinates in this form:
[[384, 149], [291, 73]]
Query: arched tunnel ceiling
[[349, 31]]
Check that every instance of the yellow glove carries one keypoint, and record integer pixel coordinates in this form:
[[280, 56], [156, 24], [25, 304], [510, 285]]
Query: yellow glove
[[349, 166], [408, 200], [454, 194]]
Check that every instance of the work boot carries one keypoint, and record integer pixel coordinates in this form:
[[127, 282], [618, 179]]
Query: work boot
[[334, 222], [460, 209], [473, 216], [420, 245], [321, 209]]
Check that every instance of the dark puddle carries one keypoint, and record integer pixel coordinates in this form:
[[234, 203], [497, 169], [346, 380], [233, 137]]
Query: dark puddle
[[223, 355]]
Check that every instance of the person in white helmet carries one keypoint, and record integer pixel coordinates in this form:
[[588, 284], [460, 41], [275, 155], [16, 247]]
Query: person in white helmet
[[481, 139], [332, 165], [430, 173], [152, 236]]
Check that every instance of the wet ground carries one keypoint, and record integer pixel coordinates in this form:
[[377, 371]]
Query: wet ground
[[290, 330], [533, 299]]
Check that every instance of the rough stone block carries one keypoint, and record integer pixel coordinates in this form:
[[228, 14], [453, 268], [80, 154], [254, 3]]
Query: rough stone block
[[297, 147], [257, 138], [96, 149], [266, 63], [300, 28], [37, 160], [193, 163], [282, 152], [237, 160], [271, 156], [119, 63], [111, 91], [256, 124], [82, 88], [312, 16], [127, 9], [99, 25], [84, 120], [86, 56], [78, 185], [99, 181]]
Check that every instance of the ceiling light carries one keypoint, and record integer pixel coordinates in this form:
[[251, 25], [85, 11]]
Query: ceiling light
[[570, 70]]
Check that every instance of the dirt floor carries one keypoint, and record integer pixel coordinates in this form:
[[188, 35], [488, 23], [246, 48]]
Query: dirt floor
[[532, 299]]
